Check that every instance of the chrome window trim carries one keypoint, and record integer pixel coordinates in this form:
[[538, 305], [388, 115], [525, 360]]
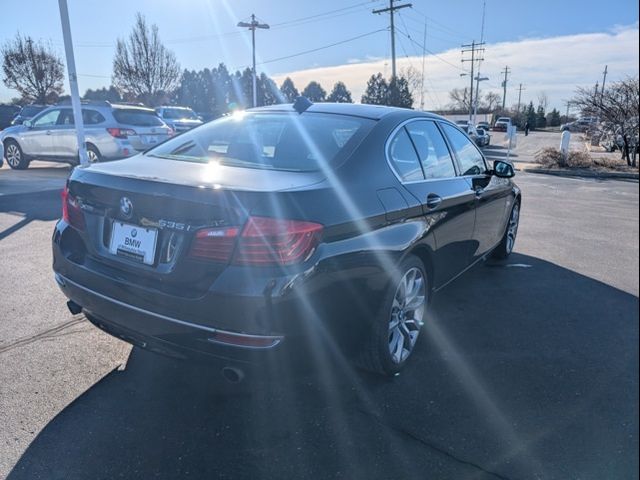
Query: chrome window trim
[[394, 132]]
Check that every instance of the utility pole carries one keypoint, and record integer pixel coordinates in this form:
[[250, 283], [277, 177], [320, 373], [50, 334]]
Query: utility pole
[[473, 48], [73, 81], [392, 8], [604, 79], [252, 26], [520, 96], [506, 72]]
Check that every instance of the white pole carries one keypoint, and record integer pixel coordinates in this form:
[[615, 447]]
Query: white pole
[[73, 81]]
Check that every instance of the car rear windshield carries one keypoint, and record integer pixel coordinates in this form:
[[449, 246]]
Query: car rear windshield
[[274, 141], [137, 117]]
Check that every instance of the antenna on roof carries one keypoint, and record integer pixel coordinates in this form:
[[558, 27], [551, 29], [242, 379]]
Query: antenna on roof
[[301, 104]]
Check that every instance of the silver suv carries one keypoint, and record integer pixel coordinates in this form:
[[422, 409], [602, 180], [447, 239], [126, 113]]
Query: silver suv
[[112, 131]]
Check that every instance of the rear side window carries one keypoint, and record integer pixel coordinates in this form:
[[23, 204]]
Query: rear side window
[[470, 159], [403, 158], [92, 117], [137, 117], [432, 149], [274, 141]]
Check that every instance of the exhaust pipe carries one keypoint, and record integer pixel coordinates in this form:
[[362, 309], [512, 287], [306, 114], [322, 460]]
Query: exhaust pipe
[[232, 374], [73, 307]]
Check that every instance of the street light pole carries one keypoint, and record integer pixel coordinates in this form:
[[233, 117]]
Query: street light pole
[[475, 104], [252, 26], [73, 81]]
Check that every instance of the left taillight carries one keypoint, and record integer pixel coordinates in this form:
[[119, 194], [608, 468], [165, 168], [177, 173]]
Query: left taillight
[[71, 211]]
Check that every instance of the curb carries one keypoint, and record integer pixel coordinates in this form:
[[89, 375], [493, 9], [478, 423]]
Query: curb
[[583, 173]]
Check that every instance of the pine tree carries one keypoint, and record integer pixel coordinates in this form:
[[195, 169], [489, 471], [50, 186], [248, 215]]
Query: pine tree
[[340, 94], [289, 90], [376, 91], [314, 92]]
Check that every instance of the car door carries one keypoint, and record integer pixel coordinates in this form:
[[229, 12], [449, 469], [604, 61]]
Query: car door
[[419, 155], [64, 135], [491, 193], [37, 139]]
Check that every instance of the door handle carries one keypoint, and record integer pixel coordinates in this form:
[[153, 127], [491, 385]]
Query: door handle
[[433, 201]]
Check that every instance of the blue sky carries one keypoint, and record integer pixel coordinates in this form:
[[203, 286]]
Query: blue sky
[[203, 33]]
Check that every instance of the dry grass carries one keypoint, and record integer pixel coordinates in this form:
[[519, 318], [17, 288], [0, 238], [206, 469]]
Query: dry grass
[[552, 158]]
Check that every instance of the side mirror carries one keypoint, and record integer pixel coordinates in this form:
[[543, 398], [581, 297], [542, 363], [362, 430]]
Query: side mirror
[[27, 123], [503, 169]]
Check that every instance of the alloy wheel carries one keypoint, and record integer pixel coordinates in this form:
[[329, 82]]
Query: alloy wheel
[[92, 156], [13, 155], [512, 229], [407, 314]]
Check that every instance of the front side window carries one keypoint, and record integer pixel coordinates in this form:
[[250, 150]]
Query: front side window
[[272, 141], [470, 158], [47, 119], [403, 158], [432, 149]]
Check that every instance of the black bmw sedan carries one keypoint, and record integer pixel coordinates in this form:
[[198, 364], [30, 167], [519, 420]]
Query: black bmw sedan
[[283, 231]]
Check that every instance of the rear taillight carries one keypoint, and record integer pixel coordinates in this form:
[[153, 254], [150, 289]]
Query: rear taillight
[[263, 241], [71, 211], [214, 243], [272, 241], [121, 132]]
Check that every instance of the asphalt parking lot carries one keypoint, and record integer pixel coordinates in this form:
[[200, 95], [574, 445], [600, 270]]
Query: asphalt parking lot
[[527, 369]]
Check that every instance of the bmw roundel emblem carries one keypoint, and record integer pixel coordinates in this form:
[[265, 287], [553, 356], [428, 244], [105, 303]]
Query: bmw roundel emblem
[[126, 207]]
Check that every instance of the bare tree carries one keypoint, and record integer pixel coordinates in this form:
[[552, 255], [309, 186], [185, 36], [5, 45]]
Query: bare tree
[[491, 101], [618, 106], [543, 100], [143, 66], [460, 99], [414, 80], [33, 69]]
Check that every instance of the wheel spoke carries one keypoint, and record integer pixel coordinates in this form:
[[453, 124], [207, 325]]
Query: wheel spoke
[[406, 315]]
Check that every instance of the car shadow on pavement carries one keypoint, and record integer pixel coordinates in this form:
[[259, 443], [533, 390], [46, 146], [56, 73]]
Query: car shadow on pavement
[[525, 370], [43, 205]]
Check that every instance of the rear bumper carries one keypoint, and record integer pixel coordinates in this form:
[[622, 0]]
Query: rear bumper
[[288, 315]]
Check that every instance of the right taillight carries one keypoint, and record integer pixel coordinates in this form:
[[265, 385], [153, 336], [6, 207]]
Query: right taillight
[[121, 132], [71, 211], [273, 241], [263, 241]]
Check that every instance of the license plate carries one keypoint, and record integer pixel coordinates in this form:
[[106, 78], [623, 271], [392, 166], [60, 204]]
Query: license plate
[[152, 139], [133, 242]]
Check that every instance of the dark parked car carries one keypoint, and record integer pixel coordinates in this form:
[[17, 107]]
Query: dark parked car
[[27, 113], [7, 114], [273, 232]]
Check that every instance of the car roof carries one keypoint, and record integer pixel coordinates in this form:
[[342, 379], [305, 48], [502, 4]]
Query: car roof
[[375, 112], [121, 106]]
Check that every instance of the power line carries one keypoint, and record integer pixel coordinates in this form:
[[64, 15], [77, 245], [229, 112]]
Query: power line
[[391, 9], [321, 48], [431, 52]]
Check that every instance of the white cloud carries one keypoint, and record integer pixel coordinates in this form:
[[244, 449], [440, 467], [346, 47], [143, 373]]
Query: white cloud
[[553, 65]]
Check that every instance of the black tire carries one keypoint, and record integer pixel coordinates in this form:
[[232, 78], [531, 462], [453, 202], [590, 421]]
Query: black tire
[[16, 159], [376, 353], [505, 247], [93, 150]]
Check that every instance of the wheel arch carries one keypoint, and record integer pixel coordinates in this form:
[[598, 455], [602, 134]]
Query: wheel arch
[[425, 255]]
